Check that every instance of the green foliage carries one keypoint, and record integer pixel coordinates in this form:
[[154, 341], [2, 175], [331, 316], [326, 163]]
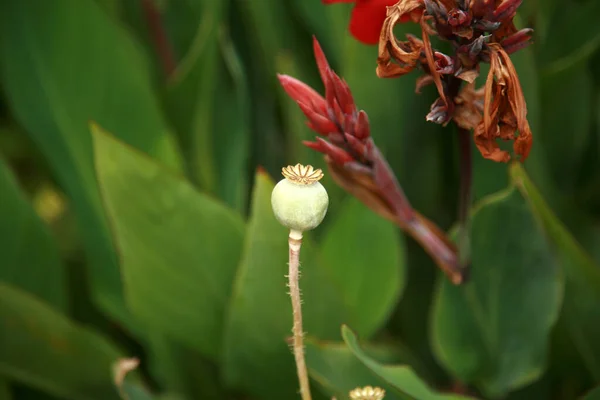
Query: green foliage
[[38, 271], [401, 378], [494, 330], [160, 130], [78, 65], [41, 347], [180, 287]]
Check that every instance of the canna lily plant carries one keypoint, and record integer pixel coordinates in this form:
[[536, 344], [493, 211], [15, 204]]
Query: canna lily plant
[[479, 31]]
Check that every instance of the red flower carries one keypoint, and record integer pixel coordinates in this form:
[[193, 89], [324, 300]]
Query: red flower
[[356, 163], [367, 18]]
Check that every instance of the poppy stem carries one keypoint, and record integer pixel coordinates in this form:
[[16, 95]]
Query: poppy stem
[[464, 200], [295, 242]]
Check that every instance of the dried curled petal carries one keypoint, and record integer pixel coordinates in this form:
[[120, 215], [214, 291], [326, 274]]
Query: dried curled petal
[[398, 58], [504, 110]]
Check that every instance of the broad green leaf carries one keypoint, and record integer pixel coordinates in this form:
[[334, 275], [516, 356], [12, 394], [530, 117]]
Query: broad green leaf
[[232, 135], [493, 331], [30, 257], [543, 388], [194, 84], [337, 370], [403, 381], [182, 370], [135, 392], [581, 309], [112, 7], [63, 63], [538, 17], [179, 249], [566, 125], [529, 77], [364, 256], [42, 348], [208, 98], [573, 36], [328, 24], [271, 29], [5, 390], [260, 314], [592, 395]]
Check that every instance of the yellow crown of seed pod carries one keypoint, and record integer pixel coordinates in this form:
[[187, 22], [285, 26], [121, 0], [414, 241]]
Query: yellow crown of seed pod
[[299, 201], [367, 393]]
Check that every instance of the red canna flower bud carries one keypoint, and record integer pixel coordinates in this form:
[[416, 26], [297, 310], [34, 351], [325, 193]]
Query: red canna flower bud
[[338, 155], [356, 163], [303, 93]]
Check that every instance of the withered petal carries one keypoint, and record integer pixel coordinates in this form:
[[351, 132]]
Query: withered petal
[[394, 60], [504, 110], [431, 62], [423, 81], [487, 146]]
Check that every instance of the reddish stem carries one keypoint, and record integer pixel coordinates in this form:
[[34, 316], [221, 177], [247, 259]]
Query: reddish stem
[[162, 46], [464, 203]]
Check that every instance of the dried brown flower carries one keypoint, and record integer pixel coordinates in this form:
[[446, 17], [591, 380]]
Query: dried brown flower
[[481, 31], [504, 111]]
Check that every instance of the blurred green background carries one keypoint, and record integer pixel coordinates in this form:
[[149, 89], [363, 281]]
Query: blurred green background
[[139, 143]]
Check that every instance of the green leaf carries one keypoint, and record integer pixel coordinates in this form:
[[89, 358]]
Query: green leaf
[[327, 23], [30, 257], [364, 256], [260, 314], [208, 99], [404, 383], [5, 390], [581, 308], [233, 137], [42, 348], [593, 395], [538, 17], [61, 66], [112, 7], [271, 29], [566, 125], [335, 368], [540, 389], [135, 392], [179, 248], [194, 85], [494, 330], [573, 36], [177, 369]]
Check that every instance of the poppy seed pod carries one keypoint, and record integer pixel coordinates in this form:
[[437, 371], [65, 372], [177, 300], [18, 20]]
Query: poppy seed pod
[[299, 201]]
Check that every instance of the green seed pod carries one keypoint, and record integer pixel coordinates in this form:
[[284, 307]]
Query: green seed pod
[[299, 201]]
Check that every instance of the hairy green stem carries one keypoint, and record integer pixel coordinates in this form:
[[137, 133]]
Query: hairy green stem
[[295, 242]]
